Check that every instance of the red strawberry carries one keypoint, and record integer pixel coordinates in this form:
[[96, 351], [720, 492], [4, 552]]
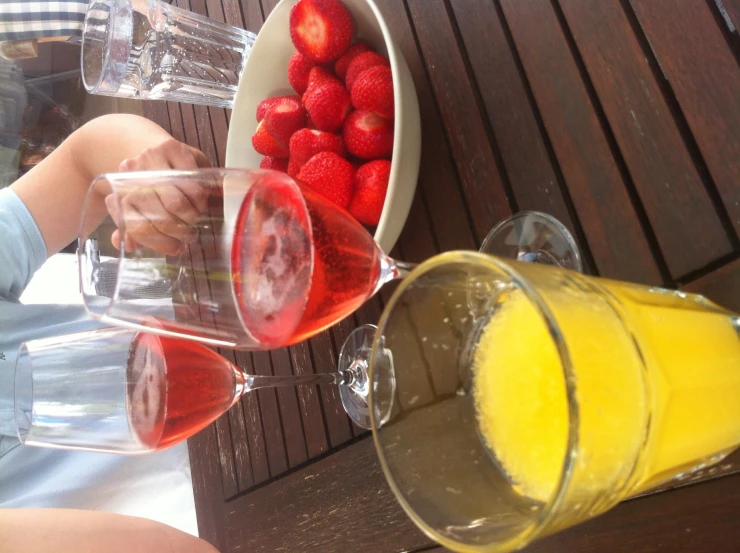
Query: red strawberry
[[326, 101], [341, 65], [321, 29], [330, 175], [298, 69], [285, 118], [368, 135], [307, 143], [267, 103], [373, 91], [370, 184], [318, 75], [274, 163], [266, 145], [363, 61]]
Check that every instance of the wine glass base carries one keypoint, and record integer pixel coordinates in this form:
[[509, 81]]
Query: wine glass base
[[354, 364], [534, 237]]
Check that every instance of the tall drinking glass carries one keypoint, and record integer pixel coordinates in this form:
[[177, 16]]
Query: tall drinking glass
[[149, 49], [512, 400]]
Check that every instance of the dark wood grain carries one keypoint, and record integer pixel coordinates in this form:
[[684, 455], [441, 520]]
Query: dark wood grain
[[253, 422], [721, 286], [290, 415], [309, 402], [479, 171], [324, 361], [208, 492], [679, 208], [341, 503], [703, 73], [610, 221], [277, 458], [535, 179], [439, 189], [732, 10]]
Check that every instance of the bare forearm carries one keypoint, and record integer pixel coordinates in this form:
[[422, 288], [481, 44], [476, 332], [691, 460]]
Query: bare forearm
[[54, 191], [72, 531]]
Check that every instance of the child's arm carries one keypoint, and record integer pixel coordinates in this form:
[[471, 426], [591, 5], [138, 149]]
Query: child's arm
[[54, 191]]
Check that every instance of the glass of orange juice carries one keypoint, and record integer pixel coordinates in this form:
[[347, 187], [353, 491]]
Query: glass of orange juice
[[512, 400]]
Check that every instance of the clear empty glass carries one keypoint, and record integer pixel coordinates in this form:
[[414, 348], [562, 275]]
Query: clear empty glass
[[148, 49], [169, 262]]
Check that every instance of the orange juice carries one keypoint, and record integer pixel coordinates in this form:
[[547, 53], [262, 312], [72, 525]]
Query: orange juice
[[644, 383]]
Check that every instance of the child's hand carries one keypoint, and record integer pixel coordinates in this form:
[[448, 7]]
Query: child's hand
[[160, 217]]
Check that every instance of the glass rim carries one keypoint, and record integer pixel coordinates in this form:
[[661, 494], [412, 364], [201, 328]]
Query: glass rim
[[496, 265], [554, 221], [94, 86], [101, 310], [23, 358]]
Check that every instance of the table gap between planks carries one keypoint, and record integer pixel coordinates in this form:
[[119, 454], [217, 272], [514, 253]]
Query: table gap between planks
[[619, 117]]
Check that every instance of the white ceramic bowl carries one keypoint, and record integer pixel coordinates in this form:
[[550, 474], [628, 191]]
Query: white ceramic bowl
[[266, 74]]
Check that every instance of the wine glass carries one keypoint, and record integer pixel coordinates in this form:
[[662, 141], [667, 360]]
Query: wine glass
[[162, 258], [290, 265], [124, 391], [511, 400]]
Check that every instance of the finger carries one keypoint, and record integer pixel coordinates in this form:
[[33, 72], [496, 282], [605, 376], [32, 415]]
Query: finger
[[130, 244], [114, 209], [177, 204], [145, 202], [182, 156], [151, 159], [146, 232], [196, 192]]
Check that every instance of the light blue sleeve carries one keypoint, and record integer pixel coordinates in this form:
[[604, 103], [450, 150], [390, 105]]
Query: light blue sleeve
[[22, 248]]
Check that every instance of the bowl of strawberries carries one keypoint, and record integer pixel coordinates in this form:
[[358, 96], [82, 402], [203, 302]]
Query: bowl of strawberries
[[327, 97]]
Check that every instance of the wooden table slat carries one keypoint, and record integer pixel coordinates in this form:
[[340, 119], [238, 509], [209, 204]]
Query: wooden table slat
[[479, 170], [290, 415], [324, 361], [253, 423], [309, 401], [703, 73], [438, 180], [721, 286], [535, 177], [277, 458], [612, 225], [681, 213]]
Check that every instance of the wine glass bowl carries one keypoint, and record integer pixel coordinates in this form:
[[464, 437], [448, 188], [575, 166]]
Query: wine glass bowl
[[266, 74], [166, 255]]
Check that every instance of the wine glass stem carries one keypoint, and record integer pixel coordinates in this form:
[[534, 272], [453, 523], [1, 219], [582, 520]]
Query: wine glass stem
[[254, 382], [391, 269]]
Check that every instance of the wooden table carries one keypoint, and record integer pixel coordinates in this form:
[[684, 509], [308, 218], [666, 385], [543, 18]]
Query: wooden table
[[619, 117]]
